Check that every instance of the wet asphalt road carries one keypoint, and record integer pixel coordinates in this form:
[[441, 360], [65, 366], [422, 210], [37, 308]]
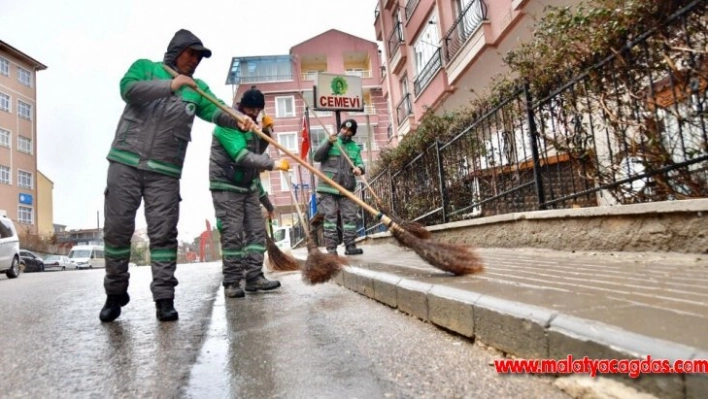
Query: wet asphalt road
[[296, 342]]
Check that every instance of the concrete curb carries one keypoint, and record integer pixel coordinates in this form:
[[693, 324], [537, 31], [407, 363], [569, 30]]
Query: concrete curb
[[528, 331]]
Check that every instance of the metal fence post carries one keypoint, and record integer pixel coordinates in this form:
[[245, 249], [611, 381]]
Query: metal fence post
[[441, 176], [533, 140], [393, 192]]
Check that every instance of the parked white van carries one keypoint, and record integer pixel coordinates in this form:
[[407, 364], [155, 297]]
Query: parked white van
[[87, 256], [281, 237]]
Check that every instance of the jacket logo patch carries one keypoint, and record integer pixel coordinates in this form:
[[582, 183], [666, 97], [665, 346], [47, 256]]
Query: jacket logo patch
[[190, 109]]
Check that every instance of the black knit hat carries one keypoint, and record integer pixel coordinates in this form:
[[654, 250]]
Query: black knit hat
[[253, 98], [350, 124]]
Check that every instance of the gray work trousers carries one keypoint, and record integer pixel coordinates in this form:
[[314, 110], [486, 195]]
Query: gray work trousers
[[348, 209], [243, 240], [126, 187]]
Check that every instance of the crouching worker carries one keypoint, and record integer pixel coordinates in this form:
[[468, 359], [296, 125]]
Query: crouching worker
[[337, 168], [236, 159]]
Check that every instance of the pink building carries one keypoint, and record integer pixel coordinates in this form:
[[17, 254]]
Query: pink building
[[287, 79], [441, 52]]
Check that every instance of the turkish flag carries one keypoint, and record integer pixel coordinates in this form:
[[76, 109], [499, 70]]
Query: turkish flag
[[305, 144]]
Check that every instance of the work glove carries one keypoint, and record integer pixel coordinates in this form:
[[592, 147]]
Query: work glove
[[267, 123], [282, 164]]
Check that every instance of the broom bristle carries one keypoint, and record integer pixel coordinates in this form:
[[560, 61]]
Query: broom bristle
[[414, 228], [456, 259], [320, 267], [280, 261]]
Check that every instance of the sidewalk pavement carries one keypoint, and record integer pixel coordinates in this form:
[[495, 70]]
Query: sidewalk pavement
[[537, 304]]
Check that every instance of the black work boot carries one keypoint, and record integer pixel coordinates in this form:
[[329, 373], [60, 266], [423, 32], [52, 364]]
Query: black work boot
[[111, 310], [166, 310], [261, 283], [234, 290], [332, 250], [351, 249]]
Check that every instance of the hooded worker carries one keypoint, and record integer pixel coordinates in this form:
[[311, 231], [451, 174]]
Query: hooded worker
[[336, 167], [145, 164]]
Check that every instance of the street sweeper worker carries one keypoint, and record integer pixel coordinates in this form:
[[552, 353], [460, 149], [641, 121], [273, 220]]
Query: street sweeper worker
[[337, 168], [234, 167], [145, 164]]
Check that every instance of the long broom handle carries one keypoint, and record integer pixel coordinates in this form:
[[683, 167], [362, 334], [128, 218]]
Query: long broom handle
[[385, 219], [363, 179], [297, 206]]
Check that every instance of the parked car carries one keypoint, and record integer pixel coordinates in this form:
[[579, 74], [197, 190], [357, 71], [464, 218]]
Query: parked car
[[31, 262], [58, 262], [88, 256], [9, 248]]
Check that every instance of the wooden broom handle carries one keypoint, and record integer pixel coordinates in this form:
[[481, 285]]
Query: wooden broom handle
[[385, 219]]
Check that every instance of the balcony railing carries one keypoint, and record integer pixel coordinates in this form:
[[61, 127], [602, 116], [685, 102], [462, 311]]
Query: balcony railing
[[427, 73], [265, 78], [465, 25], [368, 110], [361, 74], [403, 109], [410, 7], [395, 40]]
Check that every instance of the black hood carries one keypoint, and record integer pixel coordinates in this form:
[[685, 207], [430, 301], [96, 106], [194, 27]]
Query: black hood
[[181, 40]]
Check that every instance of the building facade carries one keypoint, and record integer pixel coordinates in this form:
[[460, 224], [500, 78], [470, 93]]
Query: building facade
[[45, 205], [18, 137], [287, 82], [442, 53]]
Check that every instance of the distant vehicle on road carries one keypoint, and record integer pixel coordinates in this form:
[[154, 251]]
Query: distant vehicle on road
[[31, 262], [58, 262], [88, 256], [9, 248]]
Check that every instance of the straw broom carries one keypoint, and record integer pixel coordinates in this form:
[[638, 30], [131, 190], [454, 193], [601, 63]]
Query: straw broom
[[414, 228], [277, 259], [456, 259], [319, 267]]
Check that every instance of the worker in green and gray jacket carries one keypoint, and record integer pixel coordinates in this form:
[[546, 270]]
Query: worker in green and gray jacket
[[337, 168], [145, 164], [234, 168]]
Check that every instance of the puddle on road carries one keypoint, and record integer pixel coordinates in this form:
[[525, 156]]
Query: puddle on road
[[210, 376]]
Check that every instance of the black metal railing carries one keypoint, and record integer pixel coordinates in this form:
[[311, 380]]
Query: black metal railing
[[428, 72], [464, 26], [632, 128], [403, 109], [410, 7], [395, 39]]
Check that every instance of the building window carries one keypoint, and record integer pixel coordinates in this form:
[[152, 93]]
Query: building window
[[285, 107], [4, 67], [289, 141], [4, 102], [24, 110], [24, 76], [4, 138], [24, 179], [318, 136], [25, 214], [24, 145], [4, 175]]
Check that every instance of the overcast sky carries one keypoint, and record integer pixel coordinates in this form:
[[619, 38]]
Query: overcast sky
[[88, 45]]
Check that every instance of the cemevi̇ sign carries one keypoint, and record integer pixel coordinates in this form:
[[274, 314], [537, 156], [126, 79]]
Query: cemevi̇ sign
[[336, 92]]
